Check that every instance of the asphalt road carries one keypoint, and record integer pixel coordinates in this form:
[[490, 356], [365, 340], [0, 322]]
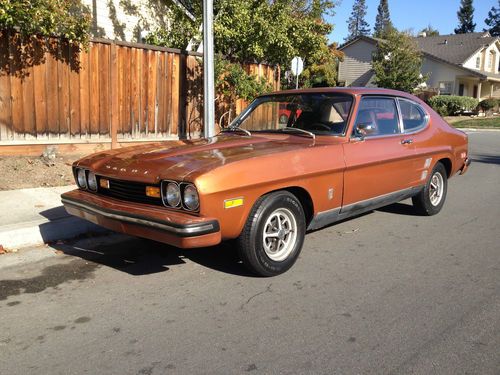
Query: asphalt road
[[385, 293]]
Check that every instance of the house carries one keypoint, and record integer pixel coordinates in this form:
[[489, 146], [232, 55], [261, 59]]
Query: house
[[131, 20], [461, 64]]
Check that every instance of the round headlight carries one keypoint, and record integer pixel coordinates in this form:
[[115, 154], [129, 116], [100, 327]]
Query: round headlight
[[173, 194], [81, 179], [191, 198], [92, 181]]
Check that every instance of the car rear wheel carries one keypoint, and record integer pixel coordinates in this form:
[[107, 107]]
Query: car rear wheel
[[431, 199], [273, 235]]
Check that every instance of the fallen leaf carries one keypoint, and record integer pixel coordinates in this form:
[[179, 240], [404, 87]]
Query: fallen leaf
[[2, 250], [59, 252], [39, 205]]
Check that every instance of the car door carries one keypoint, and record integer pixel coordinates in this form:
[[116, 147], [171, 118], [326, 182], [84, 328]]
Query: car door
[[378, 158]]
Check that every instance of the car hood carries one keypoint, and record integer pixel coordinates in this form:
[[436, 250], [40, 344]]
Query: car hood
[[186, 159]]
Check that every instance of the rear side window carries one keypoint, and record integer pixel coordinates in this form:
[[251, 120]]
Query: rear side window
[[377, 116], [413, 116]]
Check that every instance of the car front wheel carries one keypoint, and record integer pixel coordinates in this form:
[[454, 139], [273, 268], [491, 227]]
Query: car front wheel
[[273, 235], [431, 199]]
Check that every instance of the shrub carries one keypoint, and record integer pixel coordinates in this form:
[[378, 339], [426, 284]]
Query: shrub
[[488, 104], [453, 104]]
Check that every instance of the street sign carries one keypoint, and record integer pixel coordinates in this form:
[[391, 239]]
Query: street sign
[[297, 68]]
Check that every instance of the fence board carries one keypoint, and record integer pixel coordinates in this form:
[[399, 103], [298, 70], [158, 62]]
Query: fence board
[[94, 89], [5, 90], [52, 89], [74, 94], [40, 85], [104, 94], [84, 94], [116, 90], [63, 90]]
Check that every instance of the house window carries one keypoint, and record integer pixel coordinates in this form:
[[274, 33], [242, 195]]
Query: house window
[[491, 59], [445, 88], [478, 62]]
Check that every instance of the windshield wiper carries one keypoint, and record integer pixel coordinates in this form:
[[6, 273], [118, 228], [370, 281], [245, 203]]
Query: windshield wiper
[[290, 129], [235, 129]]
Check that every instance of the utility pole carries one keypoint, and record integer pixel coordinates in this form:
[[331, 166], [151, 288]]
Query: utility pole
[[208, 69]]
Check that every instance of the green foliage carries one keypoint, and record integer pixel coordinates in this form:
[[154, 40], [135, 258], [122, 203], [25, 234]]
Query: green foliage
[[493, 21], [397, 63], [448, 105], [465, 18], [383, 24], [430, 31], [488, 104], [356, 24], [271, 32], [233, 82], [64, 18]]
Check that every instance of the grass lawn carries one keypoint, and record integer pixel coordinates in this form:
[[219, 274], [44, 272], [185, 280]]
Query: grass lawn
[[477, 122]]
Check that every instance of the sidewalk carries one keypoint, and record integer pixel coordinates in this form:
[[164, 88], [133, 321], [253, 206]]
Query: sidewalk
[[36, 216]]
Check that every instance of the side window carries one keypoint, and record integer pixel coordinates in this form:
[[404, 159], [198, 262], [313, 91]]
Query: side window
[[413, 116], [377, 116]]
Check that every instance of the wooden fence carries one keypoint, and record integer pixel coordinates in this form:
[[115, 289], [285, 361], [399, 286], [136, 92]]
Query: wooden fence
[[113, 92]]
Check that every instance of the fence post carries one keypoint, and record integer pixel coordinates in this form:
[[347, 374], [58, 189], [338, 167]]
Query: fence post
[[114, 96]]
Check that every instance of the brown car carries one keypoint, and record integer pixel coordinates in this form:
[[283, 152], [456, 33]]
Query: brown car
[[263, 182]]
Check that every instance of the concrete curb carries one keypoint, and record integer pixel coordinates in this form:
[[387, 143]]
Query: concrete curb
[[36, 216], [38, 233]]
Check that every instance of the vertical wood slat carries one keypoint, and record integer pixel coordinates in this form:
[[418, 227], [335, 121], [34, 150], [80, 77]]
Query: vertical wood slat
[[5, 92], [52, 89], [74, 93], [94, 90], [63, 90], [40, 92], [141, 91], [175, 93], [144, 92], [84, 95], [151, 93], [114, 96], [135, 93], [104, 95]]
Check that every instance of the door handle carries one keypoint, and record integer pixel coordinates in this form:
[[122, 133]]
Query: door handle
[[407, 141]]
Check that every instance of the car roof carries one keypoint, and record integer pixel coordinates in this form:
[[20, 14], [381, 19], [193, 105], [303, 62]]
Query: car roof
[[350, 91]]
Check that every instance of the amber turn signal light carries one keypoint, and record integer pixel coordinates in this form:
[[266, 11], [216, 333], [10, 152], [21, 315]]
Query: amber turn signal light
[[104, 183], [153, 191]]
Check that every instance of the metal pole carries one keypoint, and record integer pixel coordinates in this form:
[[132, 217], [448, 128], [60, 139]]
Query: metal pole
[[208, 69]]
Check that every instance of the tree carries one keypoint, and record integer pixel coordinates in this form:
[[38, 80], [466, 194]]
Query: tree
[[64, 18], [397, 63], [493, 21], [356, 24], [465, 18], [260, 31], [383, 23], [429, 31]]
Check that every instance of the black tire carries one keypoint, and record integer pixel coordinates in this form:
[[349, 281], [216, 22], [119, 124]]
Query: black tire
[[252, 243], [422, 202]]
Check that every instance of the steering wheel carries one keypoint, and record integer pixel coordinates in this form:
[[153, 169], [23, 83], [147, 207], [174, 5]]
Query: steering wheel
[[320, 126]]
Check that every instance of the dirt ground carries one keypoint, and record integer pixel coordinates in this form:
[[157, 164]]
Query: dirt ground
[[18, 172]]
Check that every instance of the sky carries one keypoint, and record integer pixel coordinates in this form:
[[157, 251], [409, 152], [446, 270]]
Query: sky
[[410, 14]]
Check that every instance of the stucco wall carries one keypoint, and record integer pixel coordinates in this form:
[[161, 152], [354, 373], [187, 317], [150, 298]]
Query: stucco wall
[[471, 62], [125, 19], [441, 72]]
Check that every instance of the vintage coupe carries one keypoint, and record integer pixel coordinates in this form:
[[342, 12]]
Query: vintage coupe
[[265, 182]]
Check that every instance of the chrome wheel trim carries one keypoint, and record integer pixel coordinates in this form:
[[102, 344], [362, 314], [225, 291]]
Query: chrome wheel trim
[[436, 188], [280, 234]]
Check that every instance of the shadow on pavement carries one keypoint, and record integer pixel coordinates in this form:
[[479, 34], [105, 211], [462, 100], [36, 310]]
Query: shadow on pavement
[[399, 209], [486, 159], [139, 257]]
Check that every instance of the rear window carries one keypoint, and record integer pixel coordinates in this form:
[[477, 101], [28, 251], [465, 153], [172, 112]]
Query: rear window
[[413, 116]]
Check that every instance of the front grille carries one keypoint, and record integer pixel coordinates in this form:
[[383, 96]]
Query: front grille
[[128, 191]]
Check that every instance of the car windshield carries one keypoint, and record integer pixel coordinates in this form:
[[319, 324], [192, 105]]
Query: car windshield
[[317, 113]]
